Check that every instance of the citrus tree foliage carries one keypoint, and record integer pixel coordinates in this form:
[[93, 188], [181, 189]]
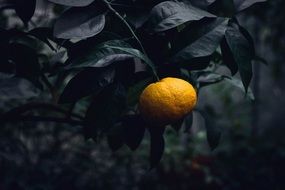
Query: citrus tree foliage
[[104, 53]]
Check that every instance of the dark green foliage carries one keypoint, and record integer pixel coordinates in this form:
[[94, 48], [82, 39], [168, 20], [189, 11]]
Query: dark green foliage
[[91, 20], [102, 54], [242, 52], [24, 9], [106, 108], [74, 3], [156, 145]]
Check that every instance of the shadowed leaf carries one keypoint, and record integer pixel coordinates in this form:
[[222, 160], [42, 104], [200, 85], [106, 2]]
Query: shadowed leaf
[[87, 82], [156, 145], [134, 131], [188, 122], [73, 3], [204, 42], [79, 23], [242, 52], [243, 4], [106, 108], [25, 9], [169, 14]]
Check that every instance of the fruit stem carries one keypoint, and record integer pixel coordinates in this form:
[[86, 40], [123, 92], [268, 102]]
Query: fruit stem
[[130, 29]]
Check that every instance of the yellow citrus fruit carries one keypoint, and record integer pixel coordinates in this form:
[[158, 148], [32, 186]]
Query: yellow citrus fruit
[[167, 101]]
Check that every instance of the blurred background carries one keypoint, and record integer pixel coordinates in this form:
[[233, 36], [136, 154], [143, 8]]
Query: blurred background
[[250, 155]]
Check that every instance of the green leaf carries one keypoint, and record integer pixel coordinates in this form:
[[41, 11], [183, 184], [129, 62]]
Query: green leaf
[[204, 42], [135, 91], [169, 14], [208, 78], [177, 125], [214, 131], [237, 83], [5, 4], [242, 52], [26, 61], [261, 60], [156, 145], [73, 3], [130, 131], [87, 82], [25, 9], [80, 22], [188, 122], [107, 53], [106, 108], [115, 137], [135, 53], [228, 58], [134, 130], [243, 4], [42, 34], [201, 3], [12, 88], [99, 56]]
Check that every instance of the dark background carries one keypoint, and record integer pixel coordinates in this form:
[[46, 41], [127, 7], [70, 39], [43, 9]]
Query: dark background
[[251, 153]]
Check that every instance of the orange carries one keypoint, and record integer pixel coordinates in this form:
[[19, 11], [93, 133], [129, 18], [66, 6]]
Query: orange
[[167, 101]]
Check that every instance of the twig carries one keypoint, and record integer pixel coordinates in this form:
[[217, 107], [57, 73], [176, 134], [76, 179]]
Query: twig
[[130, 29], [126, 23]]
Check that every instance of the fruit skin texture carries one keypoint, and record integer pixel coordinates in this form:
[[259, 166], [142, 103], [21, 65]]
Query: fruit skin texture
[[167, 101]]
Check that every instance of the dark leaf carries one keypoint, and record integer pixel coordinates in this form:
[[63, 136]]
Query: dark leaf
[[206, 41], [125, 71], [242, 52], [5, 65], [177, 125], [228, 58], [214, 131], [208, 78], [45, 33], [116, 137], [243, 4], [80, 23], [201, 3], [135, 91], [224, 8], [134, 130], [137, 17], [73, 3], [25, 9], [158, 52], [106, 108], [4, 4], [107, 53], [100, 56], [26, 61], [260, 59], [249, 38], [87, 82], [197, 63], [188, 122], [16, 88], [42, 34], [237, 83], [169, 14], [156, 145]]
